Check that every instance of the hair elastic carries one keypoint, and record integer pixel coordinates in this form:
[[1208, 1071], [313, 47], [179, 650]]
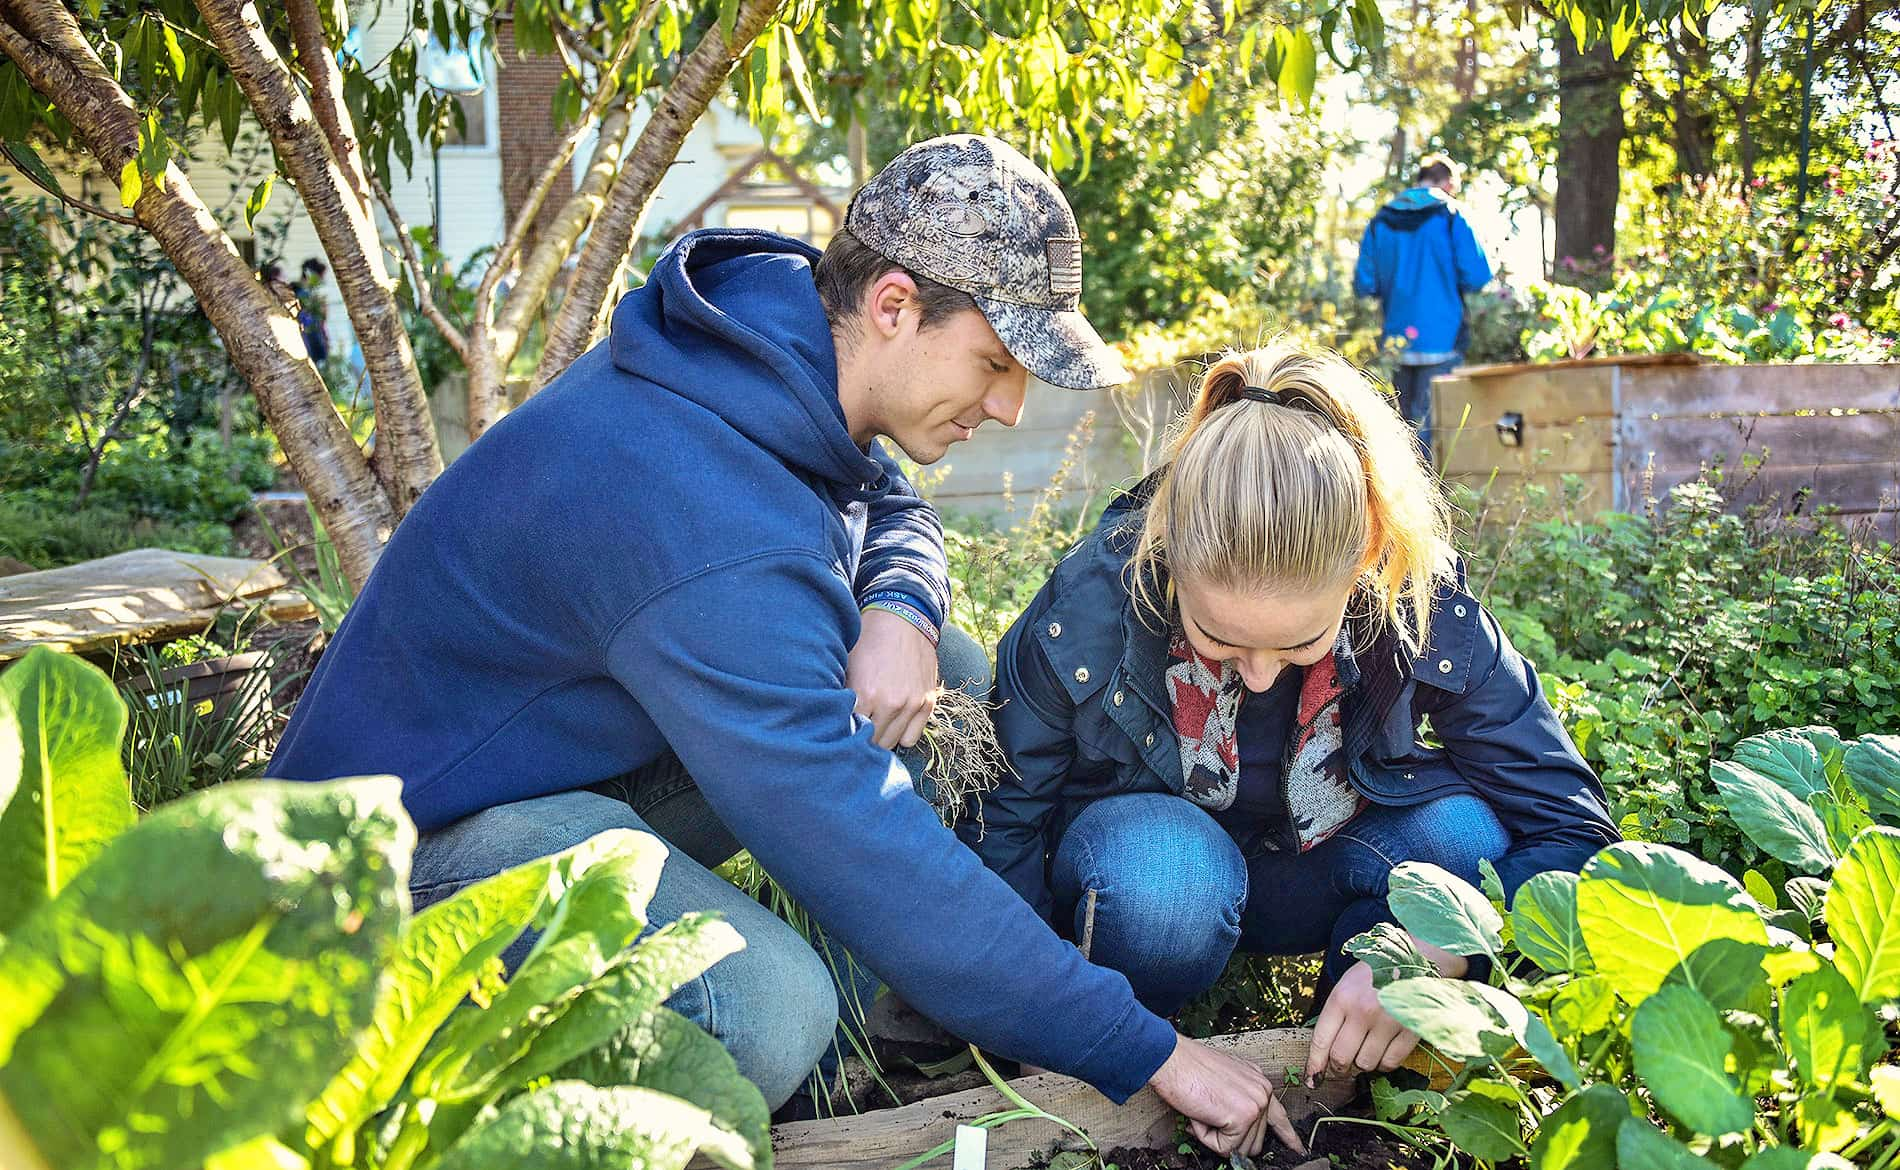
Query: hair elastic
[[1291, 399]]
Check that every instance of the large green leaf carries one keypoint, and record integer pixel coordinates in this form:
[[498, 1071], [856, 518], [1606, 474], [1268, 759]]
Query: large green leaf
[[206, 975], [1544, 924], [1681, 1048], [11, 751], [1645, 908], [1439, 907], [652, 970], [1863, 914], [1727, 973], [1641, 1146], [1465, 1021], [1583, 1006], [1482, 1121], [1830, 1035], [1790, 759], [598, 896], [71, 797], [1390, 953], [1773, 818], [442, 954], [1542, 1043], [574, 1126], [1873, 768], [1581, 1134], [668, 1053]]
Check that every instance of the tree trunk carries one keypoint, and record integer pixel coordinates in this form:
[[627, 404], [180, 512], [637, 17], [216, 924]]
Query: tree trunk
[[407, 457], [1694, 121], [262, 339], [693, 88], [1590, 86]]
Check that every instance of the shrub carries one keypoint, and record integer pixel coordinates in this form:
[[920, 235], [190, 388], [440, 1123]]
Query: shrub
[[236, 980]]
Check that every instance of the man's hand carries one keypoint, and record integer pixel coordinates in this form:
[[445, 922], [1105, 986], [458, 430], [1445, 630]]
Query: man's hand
[[893, 672], [1229, 1104], [1356, 1034]]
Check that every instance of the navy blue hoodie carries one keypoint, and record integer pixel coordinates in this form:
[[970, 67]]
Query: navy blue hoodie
[[664, 548]]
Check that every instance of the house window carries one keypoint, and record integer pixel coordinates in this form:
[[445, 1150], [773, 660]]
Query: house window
[[475, 119]]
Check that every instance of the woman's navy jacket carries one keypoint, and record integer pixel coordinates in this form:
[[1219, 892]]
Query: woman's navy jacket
[[1083, 714]]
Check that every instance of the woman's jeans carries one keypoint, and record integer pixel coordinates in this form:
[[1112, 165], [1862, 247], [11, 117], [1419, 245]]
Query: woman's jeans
[[774, 1004], [1175, 898]]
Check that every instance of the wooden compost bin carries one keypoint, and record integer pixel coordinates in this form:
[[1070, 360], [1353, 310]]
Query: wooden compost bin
[[1633, 427]]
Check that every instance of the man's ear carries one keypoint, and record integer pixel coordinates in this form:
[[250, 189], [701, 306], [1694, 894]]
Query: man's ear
[[885, 302]]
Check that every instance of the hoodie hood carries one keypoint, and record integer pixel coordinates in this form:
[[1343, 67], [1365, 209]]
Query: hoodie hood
[[1416, 207], [731, 321]]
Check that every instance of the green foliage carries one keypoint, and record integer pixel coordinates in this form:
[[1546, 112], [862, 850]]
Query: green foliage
[[1690, 1026], [1681, 632], [236, 980], [1730, 272]]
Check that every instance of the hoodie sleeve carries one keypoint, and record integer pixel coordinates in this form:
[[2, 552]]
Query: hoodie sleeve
[[741, 667], [1474, 267], [1035, 725], [1365, 274], [903, 546]]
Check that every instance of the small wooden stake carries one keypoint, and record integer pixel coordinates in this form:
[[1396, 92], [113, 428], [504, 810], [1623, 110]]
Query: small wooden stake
[[1088, 923]]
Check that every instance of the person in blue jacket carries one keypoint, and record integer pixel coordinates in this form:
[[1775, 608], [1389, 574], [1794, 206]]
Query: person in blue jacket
[[1419, 257], [687, 567], [1215, 710]]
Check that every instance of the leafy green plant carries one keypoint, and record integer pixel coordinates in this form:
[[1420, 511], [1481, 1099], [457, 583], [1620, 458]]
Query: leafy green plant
[[175, 745], [1682, 1021], [236, 980]]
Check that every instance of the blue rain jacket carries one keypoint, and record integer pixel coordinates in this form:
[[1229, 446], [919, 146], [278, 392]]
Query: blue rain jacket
[[1419, 257]]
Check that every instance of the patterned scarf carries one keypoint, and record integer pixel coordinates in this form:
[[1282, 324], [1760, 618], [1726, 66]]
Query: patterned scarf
[[1205, 696]]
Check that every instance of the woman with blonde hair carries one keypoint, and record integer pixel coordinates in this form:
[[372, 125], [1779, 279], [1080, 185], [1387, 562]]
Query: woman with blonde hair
[[1215, 709]]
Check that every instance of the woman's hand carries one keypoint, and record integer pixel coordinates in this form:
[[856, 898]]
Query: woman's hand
[[1356, 1034]]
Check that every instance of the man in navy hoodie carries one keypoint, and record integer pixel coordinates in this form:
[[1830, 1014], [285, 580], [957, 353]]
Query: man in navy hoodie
[[691, 547], [1419, 257]]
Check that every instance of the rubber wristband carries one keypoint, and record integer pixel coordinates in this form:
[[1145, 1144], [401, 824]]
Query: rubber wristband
[[909, 613]]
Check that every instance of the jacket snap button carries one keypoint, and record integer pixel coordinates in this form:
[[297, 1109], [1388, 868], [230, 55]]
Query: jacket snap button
[[1408, 775], [1055, 629], [1081, 674], [1118, 698], [1444, 666], [1459, 610], [1150, 741]]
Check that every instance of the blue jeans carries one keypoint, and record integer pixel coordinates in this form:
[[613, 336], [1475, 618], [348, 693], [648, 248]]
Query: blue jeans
[[1414, 386], [1175, 898], [774, 1005]]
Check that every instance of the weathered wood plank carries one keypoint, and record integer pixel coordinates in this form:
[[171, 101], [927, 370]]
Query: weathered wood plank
[[136, 596], [1790, 441], [1759, 389], [888, 1137]]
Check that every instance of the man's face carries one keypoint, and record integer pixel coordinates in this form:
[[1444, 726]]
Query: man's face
[[939, 384]]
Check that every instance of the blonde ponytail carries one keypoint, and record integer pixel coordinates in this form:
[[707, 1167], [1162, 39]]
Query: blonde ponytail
[[1293, 474]]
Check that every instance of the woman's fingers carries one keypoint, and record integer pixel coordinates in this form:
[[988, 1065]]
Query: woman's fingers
[[1398, 1049], [1282, 1126]]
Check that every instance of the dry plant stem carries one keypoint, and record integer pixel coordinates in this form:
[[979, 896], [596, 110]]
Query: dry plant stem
[[694, 86], [42, 39], [407, 458], [963, 758]]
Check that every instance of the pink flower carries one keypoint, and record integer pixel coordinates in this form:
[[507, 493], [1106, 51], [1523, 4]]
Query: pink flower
[[1411, 333], [1839, 321], [1758, 182]]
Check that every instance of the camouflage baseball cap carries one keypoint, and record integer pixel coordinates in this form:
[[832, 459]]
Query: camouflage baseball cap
[[972, 213]]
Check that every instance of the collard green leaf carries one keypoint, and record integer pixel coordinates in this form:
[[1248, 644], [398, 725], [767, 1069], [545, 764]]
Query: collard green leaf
[[574, 1126], [1482, 1121], [1391, 954], [1886, 1083], [1465, 1021], [1542, 1044], [71, 798], [1725, 972], [11, 755], [1390, 1102], [1807, 895], [1581, 1133], [1830, 1035], [1773, 818], [1645, 908], [206, 974], [1873, 768], [666, 1052], [1641, 1146], [1790, 760], [657, 965], [1544, 924], [1863, 914], [1824, 1123], [1758, 888], [440, 957], [1681, 1048], [1583, 1006], [1438, 907]]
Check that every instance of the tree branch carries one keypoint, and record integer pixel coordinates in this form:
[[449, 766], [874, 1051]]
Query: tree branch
[[407, 457], [326, 94], [55, 192], [419, 277], [693, 88]]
